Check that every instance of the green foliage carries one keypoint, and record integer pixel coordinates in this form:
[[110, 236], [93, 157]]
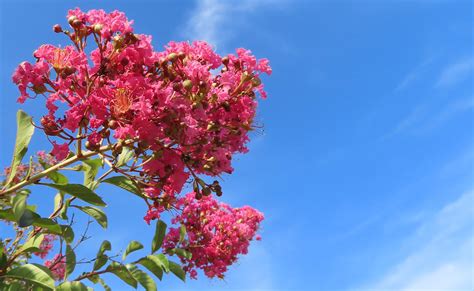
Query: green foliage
[[32, 273], [124, 183], [25, 130], [159, 236], [95, 213], [132, 246], [79, 191]]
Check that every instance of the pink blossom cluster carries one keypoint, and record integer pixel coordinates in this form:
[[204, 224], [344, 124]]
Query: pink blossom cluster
[[46, 246], [57, 265], [187, 108], [183, 111], [216, 234]]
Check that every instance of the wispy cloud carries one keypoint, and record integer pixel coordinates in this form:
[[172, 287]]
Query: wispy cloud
[[215, 21], [456, 72], [422, 119], [414, 74], [442, 258]]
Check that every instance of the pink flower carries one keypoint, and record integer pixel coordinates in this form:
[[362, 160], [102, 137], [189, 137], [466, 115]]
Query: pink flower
[[57, 265], [216, 234], [60, 151], [46, 246]]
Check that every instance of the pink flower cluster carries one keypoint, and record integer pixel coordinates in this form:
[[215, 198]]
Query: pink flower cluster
[[187, 108], [182, 112], [216, 234], [46, 246], [57, 265]]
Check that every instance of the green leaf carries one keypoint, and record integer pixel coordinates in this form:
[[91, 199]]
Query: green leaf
[[70, 261], [33, 274], [19, 205], [7, 214], [48, 224], [79, 191], [123, 273], [159, 236], [3, 258], [71, 286], [24, 133], [27, 218], [32, 244], [161, 260], [182, 253], [67, 233], [95, 213], [124, 157], [124, 183], [177, 270], [143, 278], [132, 246], [91, 168], [101, 259], [58, 178], [152, 266], [182, 233], [96, 279]]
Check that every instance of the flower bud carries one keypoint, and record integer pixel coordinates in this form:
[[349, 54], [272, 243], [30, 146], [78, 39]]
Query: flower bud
[[57, 28], [76, 23], [198, 195], [256, 81], [206, 191], [225, 61], [113, 124], [97, 27], [188, 84], [71, 19], [172, 57]]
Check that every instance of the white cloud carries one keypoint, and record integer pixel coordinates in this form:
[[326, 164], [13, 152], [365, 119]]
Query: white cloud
[[215, 21], [442, 258], [456, 72], [414, 74]]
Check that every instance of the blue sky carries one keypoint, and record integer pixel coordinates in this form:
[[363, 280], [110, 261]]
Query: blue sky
[[364, 168]]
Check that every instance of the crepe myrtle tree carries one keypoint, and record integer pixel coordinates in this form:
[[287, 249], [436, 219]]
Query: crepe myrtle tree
[[150, 122]]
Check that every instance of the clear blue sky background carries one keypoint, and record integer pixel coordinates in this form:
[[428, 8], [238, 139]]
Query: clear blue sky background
[[364, 168]]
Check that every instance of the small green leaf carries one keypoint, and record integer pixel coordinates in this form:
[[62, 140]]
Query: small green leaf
[[159, 236], [152, 266], [177, 270], [19, 205], [70, 261], [142, 277], [58, 178], [79, 191], [3, 258], [101, 259], [34, 274], [182, 253], [96, 279], [124, 157], [123, 273], [24, 133], [27, 218], [7, 214], [91, 168], [47, 224], [124, 183], [132, 246], [71, 286], [32, 244], [160, 260], [67, 233], [182, 233], [95, 213]]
